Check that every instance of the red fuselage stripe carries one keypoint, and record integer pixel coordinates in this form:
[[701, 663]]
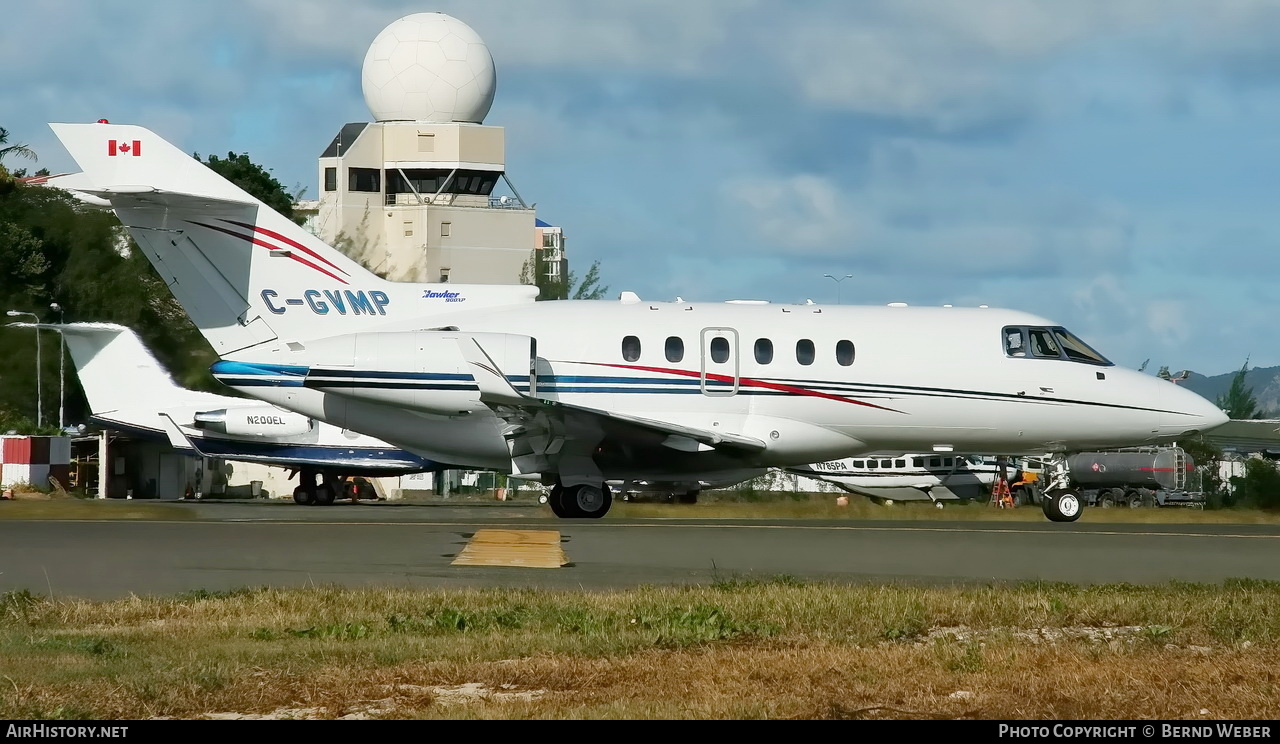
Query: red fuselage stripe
[[748, 382]]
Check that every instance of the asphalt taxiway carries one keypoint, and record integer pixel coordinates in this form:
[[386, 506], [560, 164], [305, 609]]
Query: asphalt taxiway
[[226, 546]]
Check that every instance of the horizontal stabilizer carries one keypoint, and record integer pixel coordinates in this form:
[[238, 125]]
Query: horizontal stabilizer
[[177, 439]]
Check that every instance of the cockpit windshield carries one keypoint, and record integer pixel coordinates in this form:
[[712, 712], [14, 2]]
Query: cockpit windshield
[[1077, 350], [1049, 343]]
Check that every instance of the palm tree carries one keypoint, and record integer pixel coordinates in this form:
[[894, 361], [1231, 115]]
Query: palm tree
[[21, 151]]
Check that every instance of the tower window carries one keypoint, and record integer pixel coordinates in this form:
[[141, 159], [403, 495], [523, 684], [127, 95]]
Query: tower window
[[364, 179], [330, 179]]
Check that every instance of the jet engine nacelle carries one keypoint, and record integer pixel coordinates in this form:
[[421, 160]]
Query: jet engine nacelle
[[420, 370], [254, 421]]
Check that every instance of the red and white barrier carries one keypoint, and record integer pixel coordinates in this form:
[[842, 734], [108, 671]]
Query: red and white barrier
[[34, 460]]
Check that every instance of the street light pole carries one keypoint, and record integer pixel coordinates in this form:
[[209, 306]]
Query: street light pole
[[39, 399], [837, 281], [62, 364]]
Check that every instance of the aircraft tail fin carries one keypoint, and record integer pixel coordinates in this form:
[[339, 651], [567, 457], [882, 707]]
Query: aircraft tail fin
[[245, 274], [118, 372]]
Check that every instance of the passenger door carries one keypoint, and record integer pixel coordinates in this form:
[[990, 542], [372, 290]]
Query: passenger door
[[719, 362]]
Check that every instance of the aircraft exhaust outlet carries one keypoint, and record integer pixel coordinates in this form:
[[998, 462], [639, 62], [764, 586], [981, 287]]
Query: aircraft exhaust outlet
[[254, 421]]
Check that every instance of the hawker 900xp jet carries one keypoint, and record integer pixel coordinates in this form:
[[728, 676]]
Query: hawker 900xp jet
[[584, 393]]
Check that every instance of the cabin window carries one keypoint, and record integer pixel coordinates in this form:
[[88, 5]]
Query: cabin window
[[886, 463], [364, 179], [330, 179], [675, 349], [719, 349], [805, 353], [764, 351], [935, 462], [872, 464], [844, 353], [631, 349], [899, 463], [917, 462], [947, 462], [859, 464]]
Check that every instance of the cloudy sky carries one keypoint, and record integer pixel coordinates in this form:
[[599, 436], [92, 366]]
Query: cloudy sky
[[1112, 164]]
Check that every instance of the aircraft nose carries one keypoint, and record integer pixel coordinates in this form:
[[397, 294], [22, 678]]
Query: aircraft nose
[[1194, 414]]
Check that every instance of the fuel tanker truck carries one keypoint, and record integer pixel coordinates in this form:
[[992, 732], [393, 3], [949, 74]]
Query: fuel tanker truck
[[1164, 477]]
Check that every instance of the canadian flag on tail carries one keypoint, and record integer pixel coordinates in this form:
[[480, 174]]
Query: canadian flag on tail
[[116, 147]]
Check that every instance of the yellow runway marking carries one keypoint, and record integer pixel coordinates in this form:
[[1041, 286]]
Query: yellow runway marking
[[515, 548]]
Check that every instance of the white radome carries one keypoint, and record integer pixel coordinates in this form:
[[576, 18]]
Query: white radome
[[429, 67]]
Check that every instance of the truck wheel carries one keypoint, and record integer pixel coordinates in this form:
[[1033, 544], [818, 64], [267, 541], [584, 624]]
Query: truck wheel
[[1062, 505], [1106, 500], [1134, 498]]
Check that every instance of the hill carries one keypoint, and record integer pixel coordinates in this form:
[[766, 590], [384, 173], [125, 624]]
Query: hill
[[1265, 382]]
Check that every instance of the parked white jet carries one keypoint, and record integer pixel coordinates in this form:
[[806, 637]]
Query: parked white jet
[[587, 392], [911, 477], [128, 390]]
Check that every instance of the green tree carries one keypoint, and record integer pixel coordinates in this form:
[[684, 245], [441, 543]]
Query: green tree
[[561, 287], [255, 179], [7, 150], [1260, 485], [54, 249], [590, 287], [1239, 401]]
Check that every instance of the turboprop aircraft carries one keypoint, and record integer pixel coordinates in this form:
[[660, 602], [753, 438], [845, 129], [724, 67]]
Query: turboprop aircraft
[[128, 390], [582, 393]]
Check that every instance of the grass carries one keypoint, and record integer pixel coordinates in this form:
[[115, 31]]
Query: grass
[[735, 649], [91, 509], [861, 509]]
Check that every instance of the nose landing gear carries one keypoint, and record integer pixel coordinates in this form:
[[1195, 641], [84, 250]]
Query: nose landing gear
[[1061, 502]]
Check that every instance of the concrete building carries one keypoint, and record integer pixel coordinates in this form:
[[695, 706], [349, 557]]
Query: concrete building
[[414, 195]]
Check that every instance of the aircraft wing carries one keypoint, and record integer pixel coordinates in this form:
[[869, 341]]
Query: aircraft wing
[[1247, 435], [551, 436]]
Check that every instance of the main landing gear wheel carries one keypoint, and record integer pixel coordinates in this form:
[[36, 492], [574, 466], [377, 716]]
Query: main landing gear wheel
[[327, 493], [303, 495], [1062, 505], [555, 499], [581, 502], [939, 505]]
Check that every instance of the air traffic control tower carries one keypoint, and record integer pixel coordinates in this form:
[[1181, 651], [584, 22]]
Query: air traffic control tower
[[412, 195]]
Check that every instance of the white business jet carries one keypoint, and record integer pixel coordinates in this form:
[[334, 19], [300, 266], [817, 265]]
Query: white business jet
[[128, 390], [910, 477], [583, 393]]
